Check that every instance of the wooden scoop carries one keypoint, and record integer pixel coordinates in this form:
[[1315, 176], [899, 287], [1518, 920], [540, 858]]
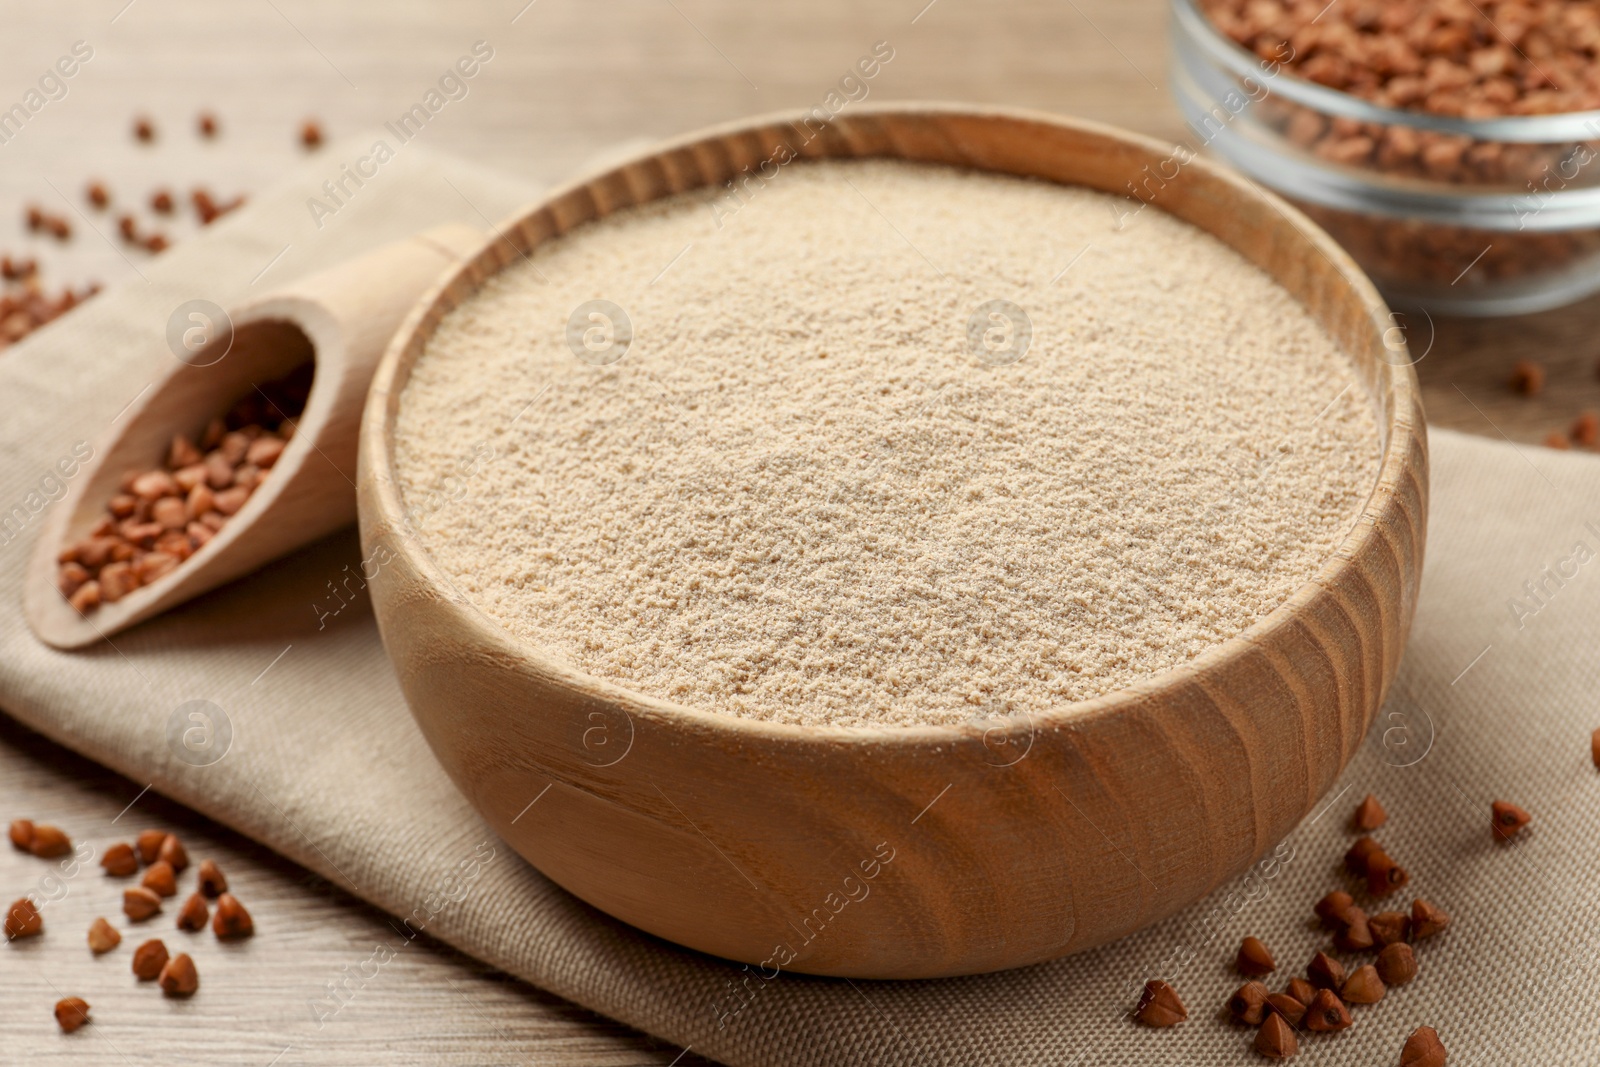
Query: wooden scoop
[[340, 320]]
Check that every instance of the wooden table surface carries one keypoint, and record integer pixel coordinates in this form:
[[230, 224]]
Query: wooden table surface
[[566, 80]]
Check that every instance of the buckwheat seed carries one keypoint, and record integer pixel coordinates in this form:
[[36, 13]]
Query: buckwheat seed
[[1248, 1004], [1426, 920], [179, 978], [232, 920], [1369, 815], [1326, 1013], [71, 1013], [1325, 972], [119, 860], [103, 937], [1364, 986], [1397, 964], [1275, 1040], [1423, 1049], [148, 959], [1159, 1005], [139, 903], [1508, 819], [194, 913]]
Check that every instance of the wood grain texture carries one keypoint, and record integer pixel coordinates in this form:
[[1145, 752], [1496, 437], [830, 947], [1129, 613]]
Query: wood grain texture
[[427, 1005], [340, 320], [1060, 831]]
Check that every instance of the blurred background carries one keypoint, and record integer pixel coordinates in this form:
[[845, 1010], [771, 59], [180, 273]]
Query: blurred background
[[569, 82]]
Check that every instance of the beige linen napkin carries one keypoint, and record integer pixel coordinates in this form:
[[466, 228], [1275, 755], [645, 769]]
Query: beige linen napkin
[[326, 766]]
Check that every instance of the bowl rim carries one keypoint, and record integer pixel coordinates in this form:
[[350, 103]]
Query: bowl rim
[[1553, 128], [1394, 393]]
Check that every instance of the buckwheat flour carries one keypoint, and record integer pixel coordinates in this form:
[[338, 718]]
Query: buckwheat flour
[[808, 492]]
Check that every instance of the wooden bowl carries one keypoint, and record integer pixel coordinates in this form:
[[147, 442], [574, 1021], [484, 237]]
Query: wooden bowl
[[935, 850]]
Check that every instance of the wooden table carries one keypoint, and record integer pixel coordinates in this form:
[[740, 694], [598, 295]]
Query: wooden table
[[264, 1000], [566, 81]]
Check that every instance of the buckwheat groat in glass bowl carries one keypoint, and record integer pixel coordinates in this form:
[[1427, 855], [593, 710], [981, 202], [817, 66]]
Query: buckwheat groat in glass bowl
[[1453, 149]]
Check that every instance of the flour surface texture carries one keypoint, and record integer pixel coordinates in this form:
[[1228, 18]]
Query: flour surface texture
[[882, 443]]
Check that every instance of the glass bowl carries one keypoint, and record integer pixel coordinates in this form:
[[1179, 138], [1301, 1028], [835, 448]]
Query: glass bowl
[[1466, 216]]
